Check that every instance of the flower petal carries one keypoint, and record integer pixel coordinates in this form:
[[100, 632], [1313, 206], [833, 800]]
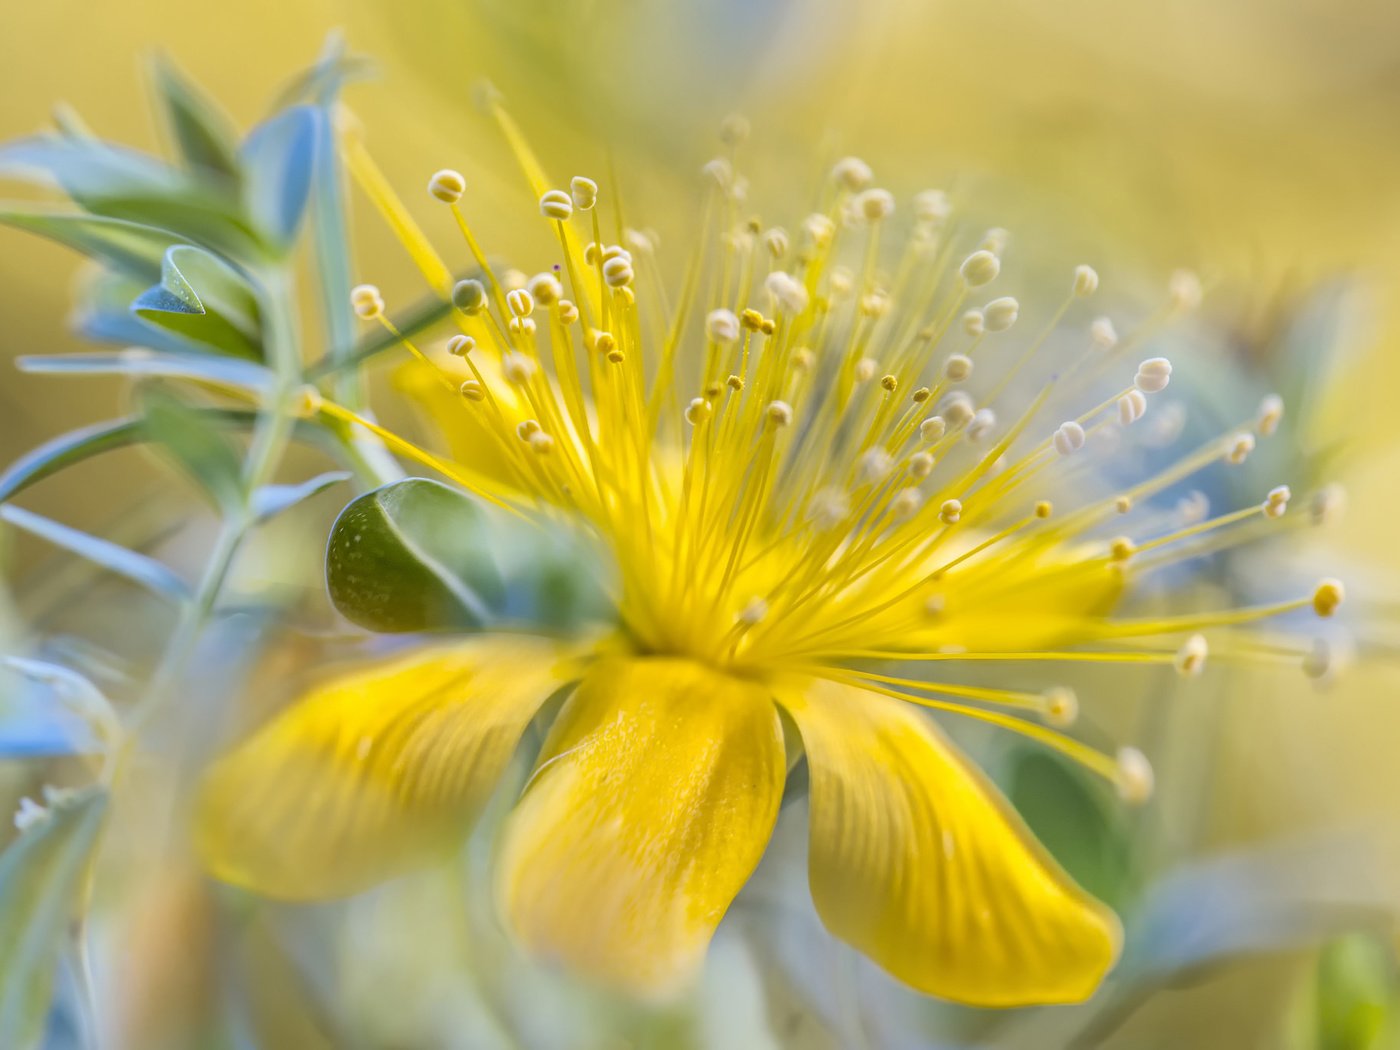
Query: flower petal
[[916, 860], [653, 801], [375, 772]]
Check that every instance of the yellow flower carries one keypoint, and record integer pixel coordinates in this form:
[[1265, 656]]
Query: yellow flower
[[801, 473]]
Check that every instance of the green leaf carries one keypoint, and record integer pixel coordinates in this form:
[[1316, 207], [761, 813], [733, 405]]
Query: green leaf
[[1357, 995], [202, 132], [196, 448], [40, 875], [1075, 818], [140, 362], [65, 450], [277, 159], [138, 568], [271, 500], [126, 246], [203, 299], [412, 556]]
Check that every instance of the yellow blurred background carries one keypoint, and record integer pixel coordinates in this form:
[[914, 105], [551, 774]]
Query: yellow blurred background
[[1252, 139]]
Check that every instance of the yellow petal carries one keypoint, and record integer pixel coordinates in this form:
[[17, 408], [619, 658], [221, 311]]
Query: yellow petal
[[916, 860], [375, 772], [654, 799]]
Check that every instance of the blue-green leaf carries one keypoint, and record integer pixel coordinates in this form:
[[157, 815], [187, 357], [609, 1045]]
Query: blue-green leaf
[[126, 246], [271, 500], [412, 556], [65, 450], [220, 371], [69, 690], [278, 157], [202, 132], [40, 874], [203, 299], [196, 448], [138, 568]]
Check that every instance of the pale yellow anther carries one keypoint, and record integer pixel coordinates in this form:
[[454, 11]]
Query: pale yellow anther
[[842, 281], [526, 429], [905, 504], [1000, 314], [1086, 281], [544, 289], [802, 359], [1153, 375], [777, 242], [1327, 597], [366, 301], [592, 254], [568, 312], [889, 383], [973, 323], [787, 291], [995, 240], [866, 368], [876, 204], [307, 402], [720, 171], [933, 428], [1276, 503], [830, 507], [735, 383], [957, 409], [1120, 549], [584, 192], [513, 279], [920, 465], [557, 205], [751, 319], [1102, 333], [957, 368], [1318, 661], [1193, 507], [517, 368], [950, 511], [1061, 706], [1270, 415], [461, 345], [852, 173], [1191, 657], [1068, 438], [921, 395], [935, 606], [1132, 406], [874, 466], [1123, 504], [469, 296], [1327, 504], [713, 390], [1238, 447], [541, 443], [819, 229], [722, 326], [1135, 779], [602, 342], [698, 411], [617, 272], [1044, 508], [981, 425], [522, 326], [779, 413], [447, 185], [1184, 291], [472, 390], [521, 303], [979, 268], [932, 207], [875, 303]]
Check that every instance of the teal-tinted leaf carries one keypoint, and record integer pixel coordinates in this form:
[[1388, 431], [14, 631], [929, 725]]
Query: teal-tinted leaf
[[126, 246], [421, 316], [1076, 819], [199, 450], [554, 578], [271, 500], [220, 371], [277, 161], [138, 568], [65, 450], [203, 299], [412, 556], [202, 132], [40, 874], [68, 689]]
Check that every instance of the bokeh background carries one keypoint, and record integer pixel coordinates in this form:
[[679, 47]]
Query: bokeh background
[[1255, 140]]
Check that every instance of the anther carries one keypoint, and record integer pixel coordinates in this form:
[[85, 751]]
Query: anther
[[722, 326], [1191, 657], [933, 428], [779, 413], [712, 391], [876, 204], [983, 421], [1102, 333], [1153, 375], [819, 228], [777, 242], [521, 303], [957, 408], [1000, 314], [1061, 706], [306, 403], [802, 359], [973, 323], [829, 508], [1123, 504], [517, 368], [1120, 549], [526, 429], [957, 368], [584, 192], [1327, 597], [617, 271], [545, 289], [735, 383], [447, 185], [950, 511], [1184, 291], [522, 326], [890, 383], [1239, 447], [921, 395], [751, 319], [469, 296], [366, 302], [1277, 501], [866, 368], [852, 173], [1044, 508], [603, 342], [734, 129], [1068, 438], [1134, 780], [1270, 415], [979, 268], [541, 444], [786, 291], [1193, 507], [461, 345], [698, 411], [1131, 407], [920, 465], [1327, 503], [472, 390], [556, 204], [932, 207], [874, 466], [905, 504], [1086, 281], [616, 357], [875, 303], [1318, 660]]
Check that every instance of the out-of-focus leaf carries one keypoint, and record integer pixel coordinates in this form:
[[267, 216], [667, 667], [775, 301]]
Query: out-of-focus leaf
[[202, 132], [205, 300], [1075, 819], [1356, 996], [271, 500], [219, 371], [199, 450], [553, 578], [65, 450], [127, 246], [138, 568], [40, 874], [421, 316], [278, 157], [70, 690], [412, 556]]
